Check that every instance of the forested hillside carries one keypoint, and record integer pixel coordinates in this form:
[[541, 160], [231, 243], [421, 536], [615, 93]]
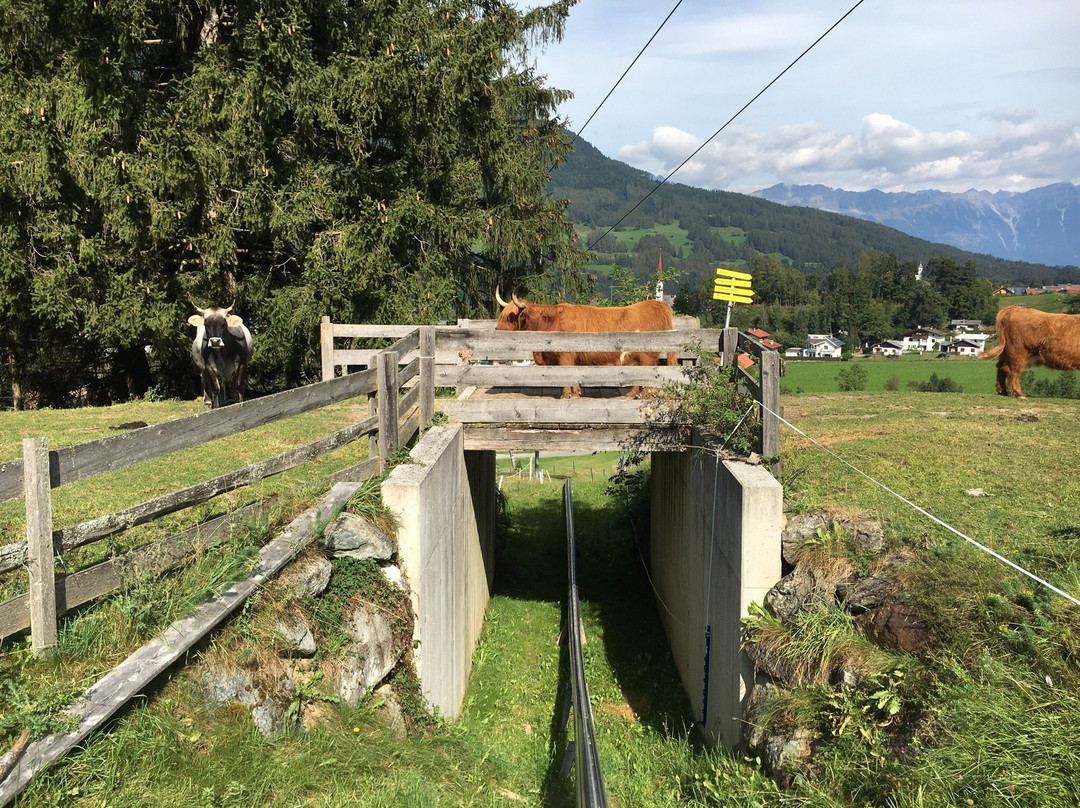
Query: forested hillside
[[697, 230]]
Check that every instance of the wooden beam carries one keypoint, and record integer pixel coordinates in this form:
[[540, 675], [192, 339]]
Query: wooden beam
[[557, 376], [39, 545], [482, 342], [427, 375], [551, 411], [132, 676], [506, 437], [326, 348], [388, 405]]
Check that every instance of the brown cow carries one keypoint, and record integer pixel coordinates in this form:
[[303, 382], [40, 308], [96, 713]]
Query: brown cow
[[1029, 337], [649, 315]]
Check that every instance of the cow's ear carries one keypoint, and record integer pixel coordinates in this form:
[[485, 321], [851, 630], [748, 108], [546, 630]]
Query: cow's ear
[[195, 320], [234, 321]]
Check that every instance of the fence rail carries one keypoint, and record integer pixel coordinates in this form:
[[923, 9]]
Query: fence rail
[[394, 419]]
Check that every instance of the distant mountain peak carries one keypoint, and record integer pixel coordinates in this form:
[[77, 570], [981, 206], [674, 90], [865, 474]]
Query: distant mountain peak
[[1039, 226]]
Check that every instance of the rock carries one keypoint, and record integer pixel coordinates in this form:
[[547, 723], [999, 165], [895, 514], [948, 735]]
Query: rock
[[352, 535], [299, 641], [785, 755], [867, 534], [800, 529], [395, 576], [371, 657], [267, 700], [307, 577], [754, 730], [390, 711], [863, 594], [797, 590], [897, 625]]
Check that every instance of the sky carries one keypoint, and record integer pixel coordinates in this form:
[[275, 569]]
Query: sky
[[903, 95]]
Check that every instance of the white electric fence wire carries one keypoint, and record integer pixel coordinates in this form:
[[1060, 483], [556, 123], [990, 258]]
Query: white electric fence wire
[[927, 514]]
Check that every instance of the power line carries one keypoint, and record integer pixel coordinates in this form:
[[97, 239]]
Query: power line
[[760, 93], [614, 86]]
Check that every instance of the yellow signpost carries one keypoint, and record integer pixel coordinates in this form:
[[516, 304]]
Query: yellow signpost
[[734, 287]]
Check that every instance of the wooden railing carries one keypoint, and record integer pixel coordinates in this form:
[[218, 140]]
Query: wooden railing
[[473, 354], [393, 420]]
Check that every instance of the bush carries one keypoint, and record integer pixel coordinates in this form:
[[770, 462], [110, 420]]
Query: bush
[[936, 385], [892, 383], [851, 379]]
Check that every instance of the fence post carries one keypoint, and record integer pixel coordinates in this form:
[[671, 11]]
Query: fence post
[[427, 375], [729, 346], [326, 347], [770, 404], [39, 545], [388, 404]]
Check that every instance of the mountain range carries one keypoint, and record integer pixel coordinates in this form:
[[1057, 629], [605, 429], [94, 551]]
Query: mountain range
[[1040, 226], [625, 216]]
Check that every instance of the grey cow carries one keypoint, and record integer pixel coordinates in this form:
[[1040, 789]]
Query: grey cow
[[222, 349]]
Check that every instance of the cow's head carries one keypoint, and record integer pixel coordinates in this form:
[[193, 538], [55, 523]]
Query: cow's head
[[513, 316], [213, 322]]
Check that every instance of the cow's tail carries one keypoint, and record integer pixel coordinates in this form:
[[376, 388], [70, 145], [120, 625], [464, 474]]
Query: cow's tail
[[997, 349]]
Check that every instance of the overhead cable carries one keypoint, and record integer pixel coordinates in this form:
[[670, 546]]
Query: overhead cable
[[616, 84], [711, 137]]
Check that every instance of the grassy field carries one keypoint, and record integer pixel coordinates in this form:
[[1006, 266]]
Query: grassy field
[[986, 716], [816, 376]]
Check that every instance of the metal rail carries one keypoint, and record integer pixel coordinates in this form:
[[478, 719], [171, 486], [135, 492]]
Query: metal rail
[[589, 779]]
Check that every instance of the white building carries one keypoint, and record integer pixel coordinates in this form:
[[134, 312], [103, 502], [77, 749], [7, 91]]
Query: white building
[[823, 346]]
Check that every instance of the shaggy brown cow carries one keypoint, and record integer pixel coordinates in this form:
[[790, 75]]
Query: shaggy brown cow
[[1028, 337], [649, 315]]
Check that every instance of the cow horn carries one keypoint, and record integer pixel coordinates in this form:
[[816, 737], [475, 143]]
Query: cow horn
[[498, 299], [519, 303], [230, 307]]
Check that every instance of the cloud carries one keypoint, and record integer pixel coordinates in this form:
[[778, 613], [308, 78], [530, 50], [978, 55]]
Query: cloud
[[1018, 153]]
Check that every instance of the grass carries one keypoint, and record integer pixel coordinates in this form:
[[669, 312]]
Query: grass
[[986, 716], [815, 376]]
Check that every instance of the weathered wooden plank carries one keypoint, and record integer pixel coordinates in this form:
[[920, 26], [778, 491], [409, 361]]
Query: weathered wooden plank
[[549, 411], [408, 401], [85, 585], [771, 369], [409, 372], [500, 438], [481, 342], [357, 473], [751, 384], [39, 545], [84, 460], [556, 376], [388, 405], [132, 676], [427, 374], [326, 348], [408, 342]]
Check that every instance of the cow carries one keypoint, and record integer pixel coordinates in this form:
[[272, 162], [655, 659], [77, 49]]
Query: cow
[[649, 315], [222, 349], [1029, 337]]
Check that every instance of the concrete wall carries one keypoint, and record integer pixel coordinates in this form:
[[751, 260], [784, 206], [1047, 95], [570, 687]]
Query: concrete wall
[[445, 545], [715, 548]]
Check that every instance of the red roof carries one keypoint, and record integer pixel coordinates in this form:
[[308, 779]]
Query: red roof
[[757, 332], [771, 344]]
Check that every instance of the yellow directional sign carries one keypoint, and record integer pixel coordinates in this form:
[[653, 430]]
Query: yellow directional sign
[[732, 274], [732, 286]]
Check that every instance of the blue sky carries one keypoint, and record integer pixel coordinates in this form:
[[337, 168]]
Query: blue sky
[[902, 96]]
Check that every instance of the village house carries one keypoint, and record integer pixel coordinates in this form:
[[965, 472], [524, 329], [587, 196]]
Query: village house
[[964, 325], [963, 347], [823, 346], [923, 338], [889, 347]]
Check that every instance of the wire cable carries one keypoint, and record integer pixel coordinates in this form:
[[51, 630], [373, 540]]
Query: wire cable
[[623, 76], [711, 137]]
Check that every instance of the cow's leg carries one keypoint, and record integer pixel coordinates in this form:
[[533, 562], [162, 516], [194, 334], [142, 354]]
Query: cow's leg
[[1002, 380]]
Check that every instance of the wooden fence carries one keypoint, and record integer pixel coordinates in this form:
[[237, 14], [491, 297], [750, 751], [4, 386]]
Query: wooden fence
[[474, 354], [393, 420]]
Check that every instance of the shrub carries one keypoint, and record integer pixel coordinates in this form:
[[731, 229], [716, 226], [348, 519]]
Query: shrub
[[851, 379]]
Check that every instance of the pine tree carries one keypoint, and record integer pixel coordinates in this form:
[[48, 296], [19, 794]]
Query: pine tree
[[382, 161]]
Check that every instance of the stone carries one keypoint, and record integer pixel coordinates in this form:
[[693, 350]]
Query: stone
[[800, 529], [795, 591], [862, 594], [266, 700], [354, 536], [307, 577], [395, 576], [786, 755], [896, 625], [371, 656], [390, 712], [754, 730], [867, 534], [297, 636]]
